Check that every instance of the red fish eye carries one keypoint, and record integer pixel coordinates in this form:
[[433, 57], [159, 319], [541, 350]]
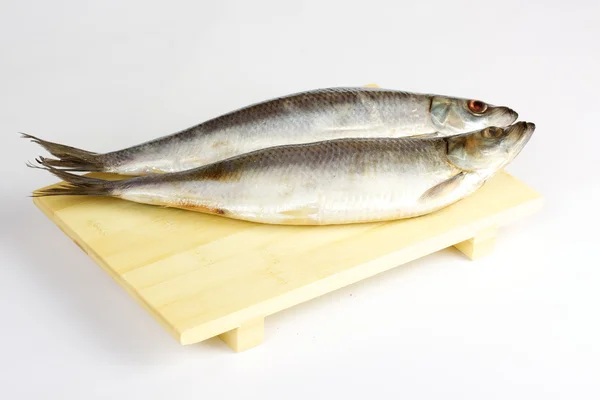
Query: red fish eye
[[477, 107]]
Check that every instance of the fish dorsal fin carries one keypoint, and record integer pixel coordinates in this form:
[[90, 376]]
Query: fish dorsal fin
[[432, 135], [443, 188]]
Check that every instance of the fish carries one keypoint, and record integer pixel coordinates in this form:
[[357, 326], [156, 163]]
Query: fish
[[334, 182], [305, 117]]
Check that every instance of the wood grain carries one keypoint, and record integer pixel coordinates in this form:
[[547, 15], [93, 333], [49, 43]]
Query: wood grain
[[201, 275]]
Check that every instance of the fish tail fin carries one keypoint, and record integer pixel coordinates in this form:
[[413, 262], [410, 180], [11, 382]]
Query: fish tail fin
[[76, 185], [68, 158]]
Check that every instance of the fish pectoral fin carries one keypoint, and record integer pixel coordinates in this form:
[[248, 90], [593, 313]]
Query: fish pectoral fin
[[303, 214], [443, 188]]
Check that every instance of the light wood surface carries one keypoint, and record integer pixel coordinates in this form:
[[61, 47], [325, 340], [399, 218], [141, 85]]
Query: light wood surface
[[480, 245], [201, 276], [250, 334]]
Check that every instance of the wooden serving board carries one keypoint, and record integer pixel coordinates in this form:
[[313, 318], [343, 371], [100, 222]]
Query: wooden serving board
[[201, 276]]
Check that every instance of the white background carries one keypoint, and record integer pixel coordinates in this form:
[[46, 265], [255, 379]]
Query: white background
[[521, 324]]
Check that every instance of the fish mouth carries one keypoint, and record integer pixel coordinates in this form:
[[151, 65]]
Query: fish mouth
[[520, 133], [503, 116], [525, 128], [529, 127], [527, 133]]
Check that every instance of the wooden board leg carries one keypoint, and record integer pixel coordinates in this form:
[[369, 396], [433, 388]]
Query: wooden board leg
[[480, 245], [248, 335]]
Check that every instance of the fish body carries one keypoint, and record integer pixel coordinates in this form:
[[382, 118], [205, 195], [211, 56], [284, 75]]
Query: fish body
[[329, 182], [312, 116]]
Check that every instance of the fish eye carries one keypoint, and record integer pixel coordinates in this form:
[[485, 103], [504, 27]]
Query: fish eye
[[492, 132], [477, 106]]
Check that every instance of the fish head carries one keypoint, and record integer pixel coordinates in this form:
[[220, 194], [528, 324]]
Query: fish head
[[451, 115], [490, 148]]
